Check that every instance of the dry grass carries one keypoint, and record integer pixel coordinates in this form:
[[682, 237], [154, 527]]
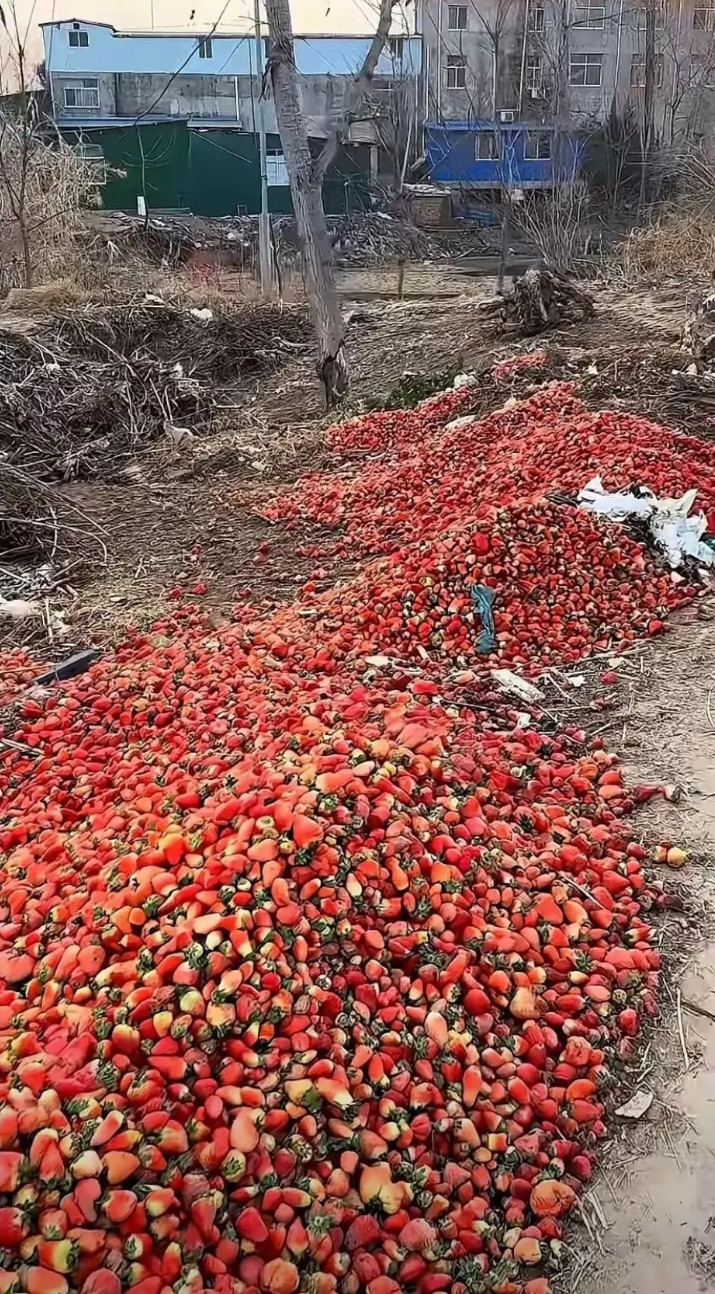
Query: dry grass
[[43, 193], [680, 242], [681, 239]]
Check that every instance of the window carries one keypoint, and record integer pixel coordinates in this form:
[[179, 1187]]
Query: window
[[536, 18], [79, 39], [638, 71], [532, 72], [276, 168], [643, 18], [487, 146], [456, 72], [93, 155], [457, 17], [397, 47], [206, 48], [704, 19], [537, 146], [585, 69], [82, 94], [590, 16]]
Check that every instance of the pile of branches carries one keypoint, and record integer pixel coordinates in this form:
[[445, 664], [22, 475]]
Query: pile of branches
[[225, 348], [538, 300], [81, 393]]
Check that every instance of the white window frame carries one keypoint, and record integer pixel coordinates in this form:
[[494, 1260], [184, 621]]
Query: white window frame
[[459, 11], [593, 17], [276, 169], [704, 18], [533, 72], [455, 71], [93, 156], [533, 140], [206, 47], [537, 19], [637, 68], [85, 92], [584, 61], [490, 138], [641, 21], [78, 39]]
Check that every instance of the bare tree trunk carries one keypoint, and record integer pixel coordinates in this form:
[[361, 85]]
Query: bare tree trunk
[[306, 191]]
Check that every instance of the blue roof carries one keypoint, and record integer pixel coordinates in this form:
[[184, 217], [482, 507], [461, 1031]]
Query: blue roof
[[489, 124]]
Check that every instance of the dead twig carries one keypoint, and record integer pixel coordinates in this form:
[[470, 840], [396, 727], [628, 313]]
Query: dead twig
[[697, 1009], [681, 1030]]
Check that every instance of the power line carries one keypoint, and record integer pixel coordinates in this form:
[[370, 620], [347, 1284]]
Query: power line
[[180, 69]]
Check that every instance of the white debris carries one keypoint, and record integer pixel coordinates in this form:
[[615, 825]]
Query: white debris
[[178, 434], [457, 423], [379, 662], [675, 531], [204, 316], [464, 379], [510, 682], [638, 1105], [18, 608]]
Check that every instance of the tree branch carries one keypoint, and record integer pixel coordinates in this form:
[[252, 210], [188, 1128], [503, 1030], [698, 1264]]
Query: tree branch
[[355, 94]]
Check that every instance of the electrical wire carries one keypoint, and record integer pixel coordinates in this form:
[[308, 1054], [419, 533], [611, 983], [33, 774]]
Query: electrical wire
[[180, 69]]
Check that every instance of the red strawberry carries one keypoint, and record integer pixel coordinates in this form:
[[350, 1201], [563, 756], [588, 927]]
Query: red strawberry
[[250, 1225], [362, 1232], [13, 1227]]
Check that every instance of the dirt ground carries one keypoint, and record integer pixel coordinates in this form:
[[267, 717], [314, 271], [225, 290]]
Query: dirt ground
[[649, 1216]]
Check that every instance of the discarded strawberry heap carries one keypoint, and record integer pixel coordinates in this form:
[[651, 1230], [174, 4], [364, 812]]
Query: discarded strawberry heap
[[313, 970]]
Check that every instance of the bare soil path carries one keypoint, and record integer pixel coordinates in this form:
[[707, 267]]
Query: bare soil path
[[656, 1191]]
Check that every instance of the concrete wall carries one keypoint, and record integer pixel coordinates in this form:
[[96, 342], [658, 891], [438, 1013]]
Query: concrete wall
[[218, 98], [686, 52]]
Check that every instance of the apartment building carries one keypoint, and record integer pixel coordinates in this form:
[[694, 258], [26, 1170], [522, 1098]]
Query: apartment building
[[185, 105], [507, 79]]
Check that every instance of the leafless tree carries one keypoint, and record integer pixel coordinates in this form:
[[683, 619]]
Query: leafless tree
[[306, 177], [689, 63], [394, 120]]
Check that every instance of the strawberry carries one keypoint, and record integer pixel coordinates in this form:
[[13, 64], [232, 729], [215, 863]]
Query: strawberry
[[363, 1232], [13, 1227], [250, 1225]]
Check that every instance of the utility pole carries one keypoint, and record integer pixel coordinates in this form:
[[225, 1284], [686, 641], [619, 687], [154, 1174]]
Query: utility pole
[[648, 131], [265, 251]]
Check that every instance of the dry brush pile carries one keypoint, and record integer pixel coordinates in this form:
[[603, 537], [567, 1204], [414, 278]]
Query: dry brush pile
[[81, 393]]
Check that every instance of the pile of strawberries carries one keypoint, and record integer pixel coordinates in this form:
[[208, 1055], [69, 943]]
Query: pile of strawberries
[[314, 960]]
